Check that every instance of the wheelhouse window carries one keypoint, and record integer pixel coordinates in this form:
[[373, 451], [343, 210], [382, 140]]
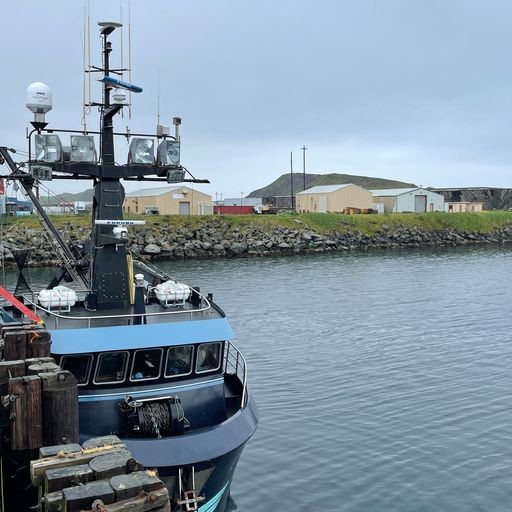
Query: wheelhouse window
[[146, 364], [111, 367], [179, 361], [208, 357], [79, 366]]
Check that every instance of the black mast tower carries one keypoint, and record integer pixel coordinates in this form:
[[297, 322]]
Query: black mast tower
[[109, 270]]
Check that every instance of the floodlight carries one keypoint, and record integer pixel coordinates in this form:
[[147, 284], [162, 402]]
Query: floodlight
[[41, 172], [82, 149], [168, 153], [141, 151], [175, 176], [48, 148]]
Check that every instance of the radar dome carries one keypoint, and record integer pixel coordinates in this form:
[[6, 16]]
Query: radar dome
[[39, 98]]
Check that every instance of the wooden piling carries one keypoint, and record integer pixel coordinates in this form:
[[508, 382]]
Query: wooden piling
[[15, 345], [25, 412], [60, 400], [10, 369]]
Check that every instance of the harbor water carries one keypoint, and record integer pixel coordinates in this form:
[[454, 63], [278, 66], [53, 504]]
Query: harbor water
[[383, 379]]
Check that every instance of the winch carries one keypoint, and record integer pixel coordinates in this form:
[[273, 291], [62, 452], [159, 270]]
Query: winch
[[159, 417]]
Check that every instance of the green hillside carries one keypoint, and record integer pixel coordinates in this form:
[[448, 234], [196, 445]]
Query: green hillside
[[282, 186]]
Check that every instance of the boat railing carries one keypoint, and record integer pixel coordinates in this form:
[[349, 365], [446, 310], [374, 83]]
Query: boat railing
[[64, 315], [235, 362]]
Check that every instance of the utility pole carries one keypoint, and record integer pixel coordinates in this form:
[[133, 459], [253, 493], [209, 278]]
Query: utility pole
[[241, 198], [291, 178], [304, 148]]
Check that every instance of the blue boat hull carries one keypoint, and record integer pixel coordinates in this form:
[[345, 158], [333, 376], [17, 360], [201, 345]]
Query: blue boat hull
[[212, 451]]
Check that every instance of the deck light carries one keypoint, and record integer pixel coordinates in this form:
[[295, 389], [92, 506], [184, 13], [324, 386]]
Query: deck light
[[141, 151], [82, 149], [48, 148], [168, 153], [175, 176]]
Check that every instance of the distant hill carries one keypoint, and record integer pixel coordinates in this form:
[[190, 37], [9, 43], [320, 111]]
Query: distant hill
[[67, 197], [281, 186], [86, 195]]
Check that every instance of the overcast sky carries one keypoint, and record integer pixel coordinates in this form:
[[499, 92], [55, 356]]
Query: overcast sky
[[411, 90]]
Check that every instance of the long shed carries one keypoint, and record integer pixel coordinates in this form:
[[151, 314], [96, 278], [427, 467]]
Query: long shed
[[178, 200], [334, 198], [409, 200]]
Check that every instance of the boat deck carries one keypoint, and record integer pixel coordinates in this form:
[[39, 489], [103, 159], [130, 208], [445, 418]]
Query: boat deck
[[79, 316]]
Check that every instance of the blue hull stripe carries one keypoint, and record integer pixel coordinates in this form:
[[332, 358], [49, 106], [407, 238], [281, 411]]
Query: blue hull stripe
[[211, 505], [160, 391], [126, 337]]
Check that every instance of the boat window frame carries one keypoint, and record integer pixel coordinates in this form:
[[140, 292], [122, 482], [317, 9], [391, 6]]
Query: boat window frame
[[89, 366], [192, 361], [199, 372], [98, 365], [144, 379]]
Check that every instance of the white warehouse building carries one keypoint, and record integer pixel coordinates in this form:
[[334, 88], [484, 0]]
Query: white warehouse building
[[409, 200]]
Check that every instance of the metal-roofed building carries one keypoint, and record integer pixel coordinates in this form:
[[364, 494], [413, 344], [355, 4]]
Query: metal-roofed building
[[179, 200], [409, 200], [243, 201], [334, 198]]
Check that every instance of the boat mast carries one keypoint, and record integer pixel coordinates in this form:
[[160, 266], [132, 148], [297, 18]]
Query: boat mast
[[108, 282], [109, 269]]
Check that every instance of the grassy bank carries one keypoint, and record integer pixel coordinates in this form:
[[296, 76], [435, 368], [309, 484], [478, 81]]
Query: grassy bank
[[485, 222]]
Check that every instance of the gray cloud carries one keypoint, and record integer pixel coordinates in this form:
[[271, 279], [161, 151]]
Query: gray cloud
[[405, 89]]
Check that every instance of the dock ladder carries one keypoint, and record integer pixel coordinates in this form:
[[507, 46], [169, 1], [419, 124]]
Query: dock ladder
[[188, 499]]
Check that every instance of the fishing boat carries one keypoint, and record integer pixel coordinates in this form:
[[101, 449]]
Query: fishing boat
[[153, 357]]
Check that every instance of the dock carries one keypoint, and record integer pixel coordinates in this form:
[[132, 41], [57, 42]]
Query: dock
[[42, 465]]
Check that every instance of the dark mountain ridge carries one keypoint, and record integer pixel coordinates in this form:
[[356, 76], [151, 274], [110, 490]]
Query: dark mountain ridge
[[282, 186]]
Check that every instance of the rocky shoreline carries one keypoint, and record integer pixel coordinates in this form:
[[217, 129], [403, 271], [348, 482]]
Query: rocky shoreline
[[217, 239]]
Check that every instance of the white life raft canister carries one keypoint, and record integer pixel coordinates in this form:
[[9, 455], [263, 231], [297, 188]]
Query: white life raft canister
[[172, 291], [58, 297]]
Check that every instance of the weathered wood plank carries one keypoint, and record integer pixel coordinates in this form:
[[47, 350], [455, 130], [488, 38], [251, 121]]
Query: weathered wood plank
[[34, 417], [40, 466], [76, 499], [109, 465], [52, 502], [38, 360], [11, 327], [101, 442], [155, 501], [130, 486], [59, 449], [59, 478], [47, 367]]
